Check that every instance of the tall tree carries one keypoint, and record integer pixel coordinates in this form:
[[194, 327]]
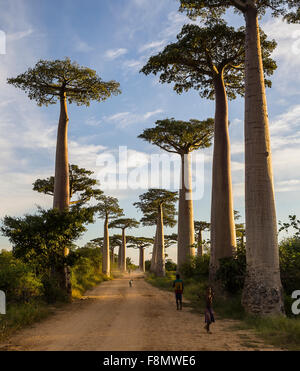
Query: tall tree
[[115, 241], [200, 226], [150, 219], [63, 81], [157, 202], [81, 185], [211, 59], [107, 208], [182, 137], [140, 243], [262, 291], [123, 223], [240, 230]]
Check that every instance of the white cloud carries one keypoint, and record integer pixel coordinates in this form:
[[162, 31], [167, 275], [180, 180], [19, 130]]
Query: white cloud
[[123, 119], [115, 53], [153, 46]]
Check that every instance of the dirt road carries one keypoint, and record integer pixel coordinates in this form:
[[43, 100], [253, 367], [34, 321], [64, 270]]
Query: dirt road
[[114, 316]]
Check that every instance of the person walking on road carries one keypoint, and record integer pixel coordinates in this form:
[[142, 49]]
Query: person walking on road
[[178, 288]]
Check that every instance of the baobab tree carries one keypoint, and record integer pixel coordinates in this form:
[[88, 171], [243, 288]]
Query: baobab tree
[[140, 243], [123, 223], [150, 219], [115, 241], [200, 226], [211, 59], [107, 208], [182, 137], [262, 291], [156, 202], [81, 185], [64, 81]]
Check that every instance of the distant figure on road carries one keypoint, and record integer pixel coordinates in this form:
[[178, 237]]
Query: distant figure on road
[[209, 314], [178, 288], [130, 283]]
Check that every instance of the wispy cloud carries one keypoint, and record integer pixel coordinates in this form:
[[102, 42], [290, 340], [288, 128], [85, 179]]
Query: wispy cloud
[[115, 53], [123, 119]]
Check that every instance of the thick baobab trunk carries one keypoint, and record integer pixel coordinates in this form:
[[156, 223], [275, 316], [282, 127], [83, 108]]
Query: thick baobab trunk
[[262, 292], [160, 249], [123, 255], [154, 255], [223, 236], [186, 234], [61, 197], [105, 251], [142, 259], [199, 244]]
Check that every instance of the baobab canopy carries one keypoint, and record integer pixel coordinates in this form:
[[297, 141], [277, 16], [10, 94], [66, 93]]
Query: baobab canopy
[[180, 136], [201, 53], [289, 9], [47, 81]]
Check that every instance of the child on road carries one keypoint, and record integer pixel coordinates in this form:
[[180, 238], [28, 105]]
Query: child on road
[[178, 288]]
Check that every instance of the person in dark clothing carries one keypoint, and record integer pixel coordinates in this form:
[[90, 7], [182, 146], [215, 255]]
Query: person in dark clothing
[[178, 289], [209, 314]]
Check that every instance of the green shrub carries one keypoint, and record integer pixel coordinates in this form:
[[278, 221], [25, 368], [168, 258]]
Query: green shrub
[[170, 265], [232, 271], [17, 280], [197, 267]]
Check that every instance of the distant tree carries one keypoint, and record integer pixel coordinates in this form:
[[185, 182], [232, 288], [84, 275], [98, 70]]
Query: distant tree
[[140, 243], [155, 201], [240, 230], [200, 226], [63, 80], [182, 137], [123, 223], [150, 219], [81, 185], [107, 208]]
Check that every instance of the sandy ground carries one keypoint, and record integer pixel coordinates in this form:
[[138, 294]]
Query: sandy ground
[[114, 316]]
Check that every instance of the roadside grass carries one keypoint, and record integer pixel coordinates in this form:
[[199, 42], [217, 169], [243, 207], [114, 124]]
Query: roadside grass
[[20, 315], [282, 332]]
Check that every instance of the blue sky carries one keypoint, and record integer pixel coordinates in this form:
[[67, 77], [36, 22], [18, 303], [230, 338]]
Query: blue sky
[[116, 37]]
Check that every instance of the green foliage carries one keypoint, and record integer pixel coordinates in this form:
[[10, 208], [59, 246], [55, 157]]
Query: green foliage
[[150, 203], [289, 9], [19, 315], [108, 207], [197, 267], [289, 253], [124, 223], [147, 265], [203, 53], [17, 279], [49, 81], [232, 271], [39, 239], [180, 136], [170, 266], [80, 183]]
